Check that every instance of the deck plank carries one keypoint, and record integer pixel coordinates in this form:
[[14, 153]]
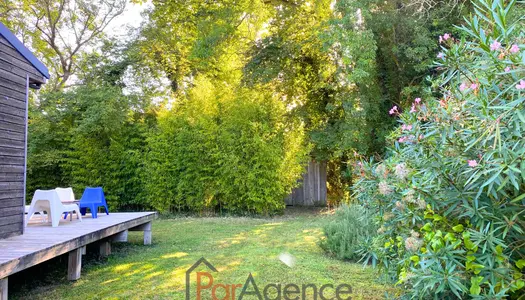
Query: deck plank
[[41, 241]]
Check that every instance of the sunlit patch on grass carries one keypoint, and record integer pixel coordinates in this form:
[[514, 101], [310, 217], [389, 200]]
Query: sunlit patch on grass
[[311, 239], [110, 280], [237, 239], [229, 266], [139, 270], [176, 278], [154, 274], [175, 255], [124, 267], [272, 224]]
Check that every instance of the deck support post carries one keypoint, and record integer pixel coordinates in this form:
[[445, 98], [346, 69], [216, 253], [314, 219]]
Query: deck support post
[[147, 233], [83, 250], [105, 247], [146, 228], [3, 288], [74, 264], [120, 237]]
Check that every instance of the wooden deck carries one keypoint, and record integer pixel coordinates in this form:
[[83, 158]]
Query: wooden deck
[[41, 242]]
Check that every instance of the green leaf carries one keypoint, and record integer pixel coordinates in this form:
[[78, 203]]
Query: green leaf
[[521, 197], [518, 285], [458, 228], [427, 227], [475, 282], [414, 258], [520, 264]]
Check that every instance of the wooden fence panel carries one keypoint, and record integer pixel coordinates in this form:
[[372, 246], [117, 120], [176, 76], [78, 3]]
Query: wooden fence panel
[[312, 187]]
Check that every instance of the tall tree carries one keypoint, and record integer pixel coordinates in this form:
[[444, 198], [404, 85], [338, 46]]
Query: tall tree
[[188, 38], [61, 31]]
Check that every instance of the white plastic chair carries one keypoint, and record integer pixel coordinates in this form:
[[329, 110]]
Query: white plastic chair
[[49, 201], [44, 216], [65, 194]]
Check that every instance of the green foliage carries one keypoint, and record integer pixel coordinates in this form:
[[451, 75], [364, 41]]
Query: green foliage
[[341, 67], [88, 137], [350, 232], [450, 193], [187, 38], [331, 69], [338, 65], [223, 148]]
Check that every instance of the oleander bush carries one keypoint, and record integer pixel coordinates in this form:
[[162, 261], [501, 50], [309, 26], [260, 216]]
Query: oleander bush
[[450, 194]]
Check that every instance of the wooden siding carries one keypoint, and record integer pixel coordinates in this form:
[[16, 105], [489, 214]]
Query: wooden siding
[[13, 62], [312, 189], [14, 70]]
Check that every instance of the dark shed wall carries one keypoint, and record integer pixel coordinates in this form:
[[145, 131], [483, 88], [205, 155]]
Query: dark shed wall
[[14, 70]]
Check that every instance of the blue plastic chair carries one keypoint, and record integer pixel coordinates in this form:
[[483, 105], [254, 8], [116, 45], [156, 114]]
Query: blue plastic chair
[[93, 198]]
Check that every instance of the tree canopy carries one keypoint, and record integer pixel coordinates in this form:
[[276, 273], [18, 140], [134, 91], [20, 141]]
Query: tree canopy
[[327, 70]]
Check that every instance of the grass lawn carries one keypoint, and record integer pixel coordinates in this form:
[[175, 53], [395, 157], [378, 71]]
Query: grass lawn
[[235, 246]]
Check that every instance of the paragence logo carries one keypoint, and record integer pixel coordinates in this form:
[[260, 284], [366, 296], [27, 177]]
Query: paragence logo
[[207, 288]]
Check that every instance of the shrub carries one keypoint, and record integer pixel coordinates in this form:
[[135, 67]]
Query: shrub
[[352, 229], [451, 191], [88, 136], [224, 148]]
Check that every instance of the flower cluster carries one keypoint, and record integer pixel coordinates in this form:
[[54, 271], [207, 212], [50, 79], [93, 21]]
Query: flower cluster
[[444, 37], [384, 189], [402, 171], [463, 86], [472, 163], [406, 127], [393, 110], [381, 170], [495, 45], [413, 244], [521, 85], [416, 103]]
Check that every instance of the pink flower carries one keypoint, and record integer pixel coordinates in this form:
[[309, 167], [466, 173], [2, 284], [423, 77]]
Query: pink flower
[[441, 55], [495, 45], [521, 85], [507, 69], [413, 109], [440, 39], [403, 139], [417, 100], [443, 103], [472, 163], [446, 36], [406, 127], [463, 87], [473, 86], [393, 110], [514, 49]]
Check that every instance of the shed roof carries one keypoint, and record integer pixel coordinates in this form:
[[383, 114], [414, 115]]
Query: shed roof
[[26, 53]]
